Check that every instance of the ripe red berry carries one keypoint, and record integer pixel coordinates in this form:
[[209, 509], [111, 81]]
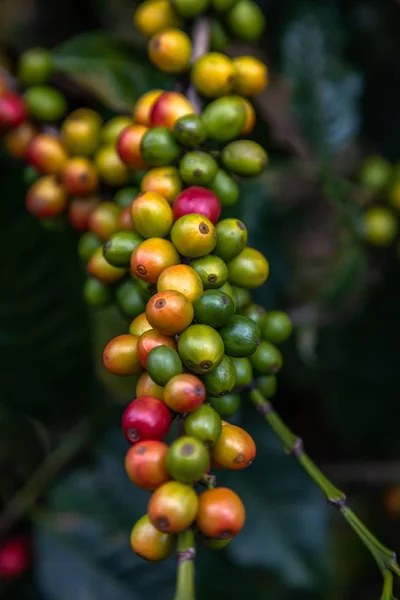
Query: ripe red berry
[[12, 111], [146, 418], [145, 464], [14, 557], [198, 200]]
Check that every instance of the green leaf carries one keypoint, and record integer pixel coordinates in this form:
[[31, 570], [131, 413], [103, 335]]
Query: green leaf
[[326, 92], [113, 71]]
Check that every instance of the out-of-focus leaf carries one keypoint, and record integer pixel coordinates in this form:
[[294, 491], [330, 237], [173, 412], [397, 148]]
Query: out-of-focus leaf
[[110, 69], [325, 91]]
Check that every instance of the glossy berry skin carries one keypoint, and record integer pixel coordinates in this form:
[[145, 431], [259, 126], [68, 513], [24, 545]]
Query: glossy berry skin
[[169, 312], [138, 326], [226, 406], [128, 146], [205, 424], [151, 215], [153, 16], [151, 339], [231, 238], [129, 297], [163, 363], [184, 393], [149, 543], [170, 50], [15, 556], [12, 111], [117, 251], [212, 271], [245, 158], [187, 459], [197, 167], [193, 235], [267, 359], [250, 117], [276, 327], [80, 210], [213, 308], [190, 131], [244, 371], [251, 75], [222, 379], [79, 177], [145, 464], [80, 132], [249, 269], [226, 188], [47, 154], [168, 108], [255, 312], [147, 387], [213, 74], [159, 147], [197, 199], [99, 268], [181, 278], [153, 256], [235, 448], [146, 418], [200, 348], [241, 336], [46, 198], [173, 507], [120, 356], [17, 140], [143, 107], [110, 167], [224, 118], [164, 181], [104, 220], [221, 513]]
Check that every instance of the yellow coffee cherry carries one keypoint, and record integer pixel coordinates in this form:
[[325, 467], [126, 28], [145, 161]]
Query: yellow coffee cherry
[[251, 75], [154, 15], [380, 226], [213, 74], [170, 50]]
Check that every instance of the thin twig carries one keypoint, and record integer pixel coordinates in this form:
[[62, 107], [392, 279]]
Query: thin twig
[[186, 554]]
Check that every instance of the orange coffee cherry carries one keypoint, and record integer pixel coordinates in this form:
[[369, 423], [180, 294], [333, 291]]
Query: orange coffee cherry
[[173, 507], [169, 312], [147, 387], [138, 326], [18, 140], [128, 146], [79, 176], [80, 210], [149, 543], [164, 181], [47, 154], [110, 167], [221, 513], [184, 393], [99, 268], [251, 75], [104, 220], [151, 215], [250, 117], [151, 257], [80, 132], [145, 464], [234, 449], [154, 15], [152, 339], [170, 50], [213, 74], [46, 197], [183, 279], [143, 107], [168, 108], [120, 356]]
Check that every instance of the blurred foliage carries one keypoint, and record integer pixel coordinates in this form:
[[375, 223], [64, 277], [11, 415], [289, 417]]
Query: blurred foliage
[[338, 388]]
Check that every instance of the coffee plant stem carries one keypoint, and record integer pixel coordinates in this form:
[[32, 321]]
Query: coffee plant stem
[[186, 553], [384, 557]]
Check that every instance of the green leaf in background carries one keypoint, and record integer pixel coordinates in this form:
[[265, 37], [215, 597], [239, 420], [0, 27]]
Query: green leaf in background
[[83, 537], [326, 92], [113, 71]]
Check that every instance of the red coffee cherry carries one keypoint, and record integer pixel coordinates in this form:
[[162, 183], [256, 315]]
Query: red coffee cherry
[[128, 146], [168, 108], [120, 356], [15, 555], [12, 111], [184, 393], [198, 200], [146, 418], [145, 464], [221, 513]]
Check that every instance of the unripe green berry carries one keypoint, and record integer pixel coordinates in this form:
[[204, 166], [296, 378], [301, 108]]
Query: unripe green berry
[[226, 188], [245, 158], [35, 66], [198, 168], [224, 118], [187, 459], [97, 293], [226, 406], [45, 103], [204, 424], [266, 359], [190, 8], [190, 131], [130, 298], [88, 244], [246, 20], [163, 363], [159, 147], [276, 327], [117, 251]]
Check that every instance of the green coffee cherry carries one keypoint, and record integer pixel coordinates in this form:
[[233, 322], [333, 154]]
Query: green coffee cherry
[[45, 103], [159, 147], [97, 293], [224, 118], [204, 424], [375, 173], [223, 5], [222, 379], [88, 244], [228, 289], [198, 168], [276, 327], [244, 371], [256, 313], [226, 406], [30, 175], [213, 308], [187, 459], [212, 271], [163, 363], [226, 188], [190, 131], [219, 38], [118, 250], [241, 336], [245, 158], [125, 196], [246, 20], [266, 359], [243, 297], [35, 66], [130, 298], [190, 8], [231, 238], [267, 385]]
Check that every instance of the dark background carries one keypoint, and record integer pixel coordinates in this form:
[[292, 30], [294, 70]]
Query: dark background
[[333, 100]]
